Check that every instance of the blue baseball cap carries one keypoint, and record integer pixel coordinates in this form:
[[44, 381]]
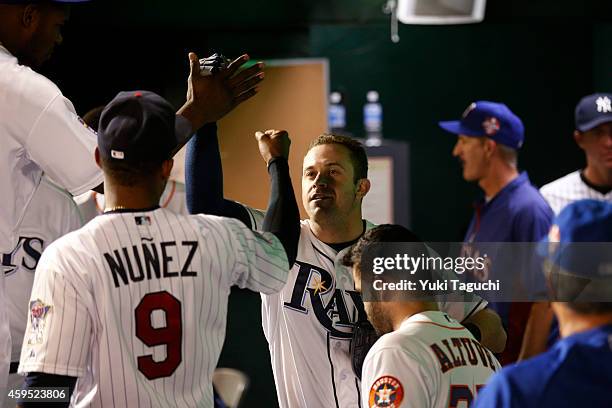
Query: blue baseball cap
[[489, 119], [593, 110], [579, 242], [140, 126]]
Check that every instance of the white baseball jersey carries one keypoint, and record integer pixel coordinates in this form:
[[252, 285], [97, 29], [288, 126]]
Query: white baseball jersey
[[135, 305], [91, 204], [568, 189], [40, 131], [309, 326], [431, 361], [51, 214]]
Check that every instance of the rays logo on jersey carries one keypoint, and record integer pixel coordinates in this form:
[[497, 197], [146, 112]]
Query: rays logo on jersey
[[26, 254], [330, 305], [38, 313], [386, 392]]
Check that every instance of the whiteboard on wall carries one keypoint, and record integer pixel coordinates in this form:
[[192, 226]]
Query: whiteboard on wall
[[378, 203]]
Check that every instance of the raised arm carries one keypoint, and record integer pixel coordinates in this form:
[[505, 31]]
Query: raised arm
[[204, 178], [282, 215]]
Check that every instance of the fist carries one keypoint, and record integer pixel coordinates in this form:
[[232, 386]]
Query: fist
[[273, 143]]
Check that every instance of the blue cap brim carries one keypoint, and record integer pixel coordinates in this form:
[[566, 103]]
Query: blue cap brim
[[454, 126], [594, 123]]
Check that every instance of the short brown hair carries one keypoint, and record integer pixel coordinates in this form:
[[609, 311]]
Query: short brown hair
[[359, 158]]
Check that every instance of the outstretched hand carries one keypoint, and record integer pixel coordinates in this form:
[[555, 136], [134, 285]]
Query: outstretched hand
[[211, 97], [273, 143]]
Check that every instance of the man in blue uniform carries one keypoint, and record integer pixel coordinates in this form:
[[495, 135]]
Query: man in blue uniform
[[512, 210], [576, 371]]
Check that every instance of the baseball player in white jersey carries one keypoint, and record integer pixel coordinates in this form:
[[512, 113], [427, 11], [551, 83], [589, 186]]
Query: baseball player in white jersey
[[593, 134], [39, 128], [51, 214], [309, 324], [425, 358], [134, 303]]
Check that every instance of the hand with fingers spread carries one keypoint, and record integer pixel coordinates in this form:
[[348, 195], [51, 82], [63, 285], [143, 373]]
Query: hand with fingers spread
[[273, 143], [211, 97]]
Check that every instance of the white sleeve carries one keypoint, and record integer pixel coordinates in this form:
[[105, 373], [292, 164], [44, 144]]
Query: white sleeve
[[256, 216], [63, 146], [257, 261], [58, 334], [392, 377]]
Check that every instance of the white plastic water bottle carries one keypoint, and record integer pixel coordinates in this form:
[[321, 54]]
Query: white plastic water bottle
[[372, 118], [336, 115]]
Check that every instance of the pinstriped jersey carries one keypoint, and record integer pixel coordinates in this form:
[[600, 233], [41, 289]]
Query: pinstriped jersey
[[51, 214], [309, 324], [135, 305], [568, 189]]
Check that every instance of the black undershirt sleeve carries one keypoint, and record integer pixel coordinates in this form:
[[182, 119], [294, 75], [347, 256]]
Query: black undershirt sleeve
[[204, 178], [282, 216], [38, 380]]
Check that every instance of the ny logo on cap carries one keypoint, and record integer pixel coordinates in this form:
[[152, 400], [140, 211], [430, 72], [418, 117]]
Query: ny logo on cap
[[604, 104]]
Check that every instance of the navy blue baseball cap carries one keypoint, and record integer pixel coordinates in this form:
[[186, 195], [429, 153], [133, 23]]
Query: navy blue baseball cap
[[574, 242], [140, 126], [489, 119], [593, 110]]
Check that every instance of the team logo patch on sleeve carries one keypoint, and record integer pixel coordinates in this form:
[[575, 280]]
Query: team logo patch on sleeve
[[386, 392], [38, 313]]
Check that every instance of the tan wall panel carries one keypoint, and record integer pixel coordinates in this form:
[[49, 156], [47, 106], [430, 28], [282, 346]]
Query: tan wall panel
[[292, 97]]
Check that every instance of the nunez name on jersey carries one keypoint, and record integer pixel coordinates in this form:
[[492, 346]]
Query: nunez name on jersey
[[151, 261], [134, 304]]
